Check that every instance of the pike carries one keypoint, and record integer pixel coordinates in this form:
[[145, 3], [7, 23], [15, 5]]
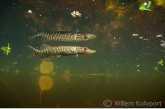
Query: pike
[[60, 51], [62, 35]]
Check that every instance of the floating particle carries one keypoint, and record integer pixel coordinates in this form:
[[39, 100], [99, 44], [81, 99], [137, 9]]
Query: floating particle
[[140, 37], [6, 49], [160, 62], [76, 13], [145, 6], [160, 35], [134, 34], [16, 71], [138, 70], [156, 68], [29, 11]]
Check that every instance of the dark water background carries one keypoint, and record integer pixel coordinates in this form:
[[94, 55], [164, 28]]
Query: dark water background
[[122, 69]]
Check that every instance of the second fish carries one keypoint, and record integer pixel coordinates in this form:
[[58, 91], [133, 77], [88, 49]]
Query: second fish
[[63, 35]]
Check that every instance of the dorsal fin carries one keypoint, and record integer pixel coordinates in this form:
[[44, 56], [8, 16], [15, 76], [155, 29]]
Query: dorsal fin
[[45, 30], [59, 29], [45, 46], [62, 32], [33, 30]]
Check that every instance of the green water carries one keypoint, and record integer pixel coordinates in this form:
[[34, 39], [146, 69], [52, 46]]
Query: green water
[[125, 68]]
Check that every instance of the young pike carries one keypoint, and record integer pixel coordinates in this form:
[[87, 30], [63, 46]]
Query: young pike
[[60, 51]]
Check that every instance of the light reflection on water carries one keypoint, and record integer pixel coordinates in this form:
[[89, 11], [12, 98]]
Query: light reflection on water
[[84, 89]]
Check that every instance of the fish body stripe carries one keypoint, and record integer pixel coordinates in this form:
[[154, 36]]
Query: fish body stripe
[[59, 36], [60, 51], [62, 35], [57, 50]]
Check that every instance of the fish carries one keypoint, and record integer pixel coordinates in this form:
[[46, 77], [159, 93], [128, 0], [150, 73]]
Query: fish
[[62, 35], [60, 51]]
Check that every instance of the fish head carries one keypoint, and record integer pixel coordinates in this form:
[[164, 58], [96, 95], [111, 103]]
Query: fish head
[[85, 36], [84, 51]]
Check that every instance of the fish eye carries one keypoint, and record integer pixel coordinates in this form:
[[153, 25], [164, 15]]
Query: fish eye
[[85, 48], [85, 37]]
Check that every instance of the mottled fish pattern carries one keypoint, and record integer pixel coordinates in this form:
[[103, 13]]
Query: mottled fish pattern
[[62, 35], [60, 51]]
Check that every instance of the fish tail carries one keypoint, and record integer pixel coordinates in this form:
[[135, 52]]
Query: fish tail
[[34, 32], [31, 37], [35, 51]]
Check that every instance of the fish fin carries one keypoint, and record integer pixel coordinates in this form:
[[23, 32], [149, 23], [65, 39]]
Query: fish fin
[[31, 37], [76, 55], [59, 29], [34, 32], [46, 30], [58, 56], [32, 54], [43, 46], [45, 40], [32, 48], [77, 30], [44, 56]]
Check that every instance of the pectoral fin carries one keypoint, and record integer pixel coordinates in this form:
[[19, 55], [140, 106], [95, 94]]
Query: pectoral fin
[[32, 54], [58, 56], [76, 55], [45, 46]]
